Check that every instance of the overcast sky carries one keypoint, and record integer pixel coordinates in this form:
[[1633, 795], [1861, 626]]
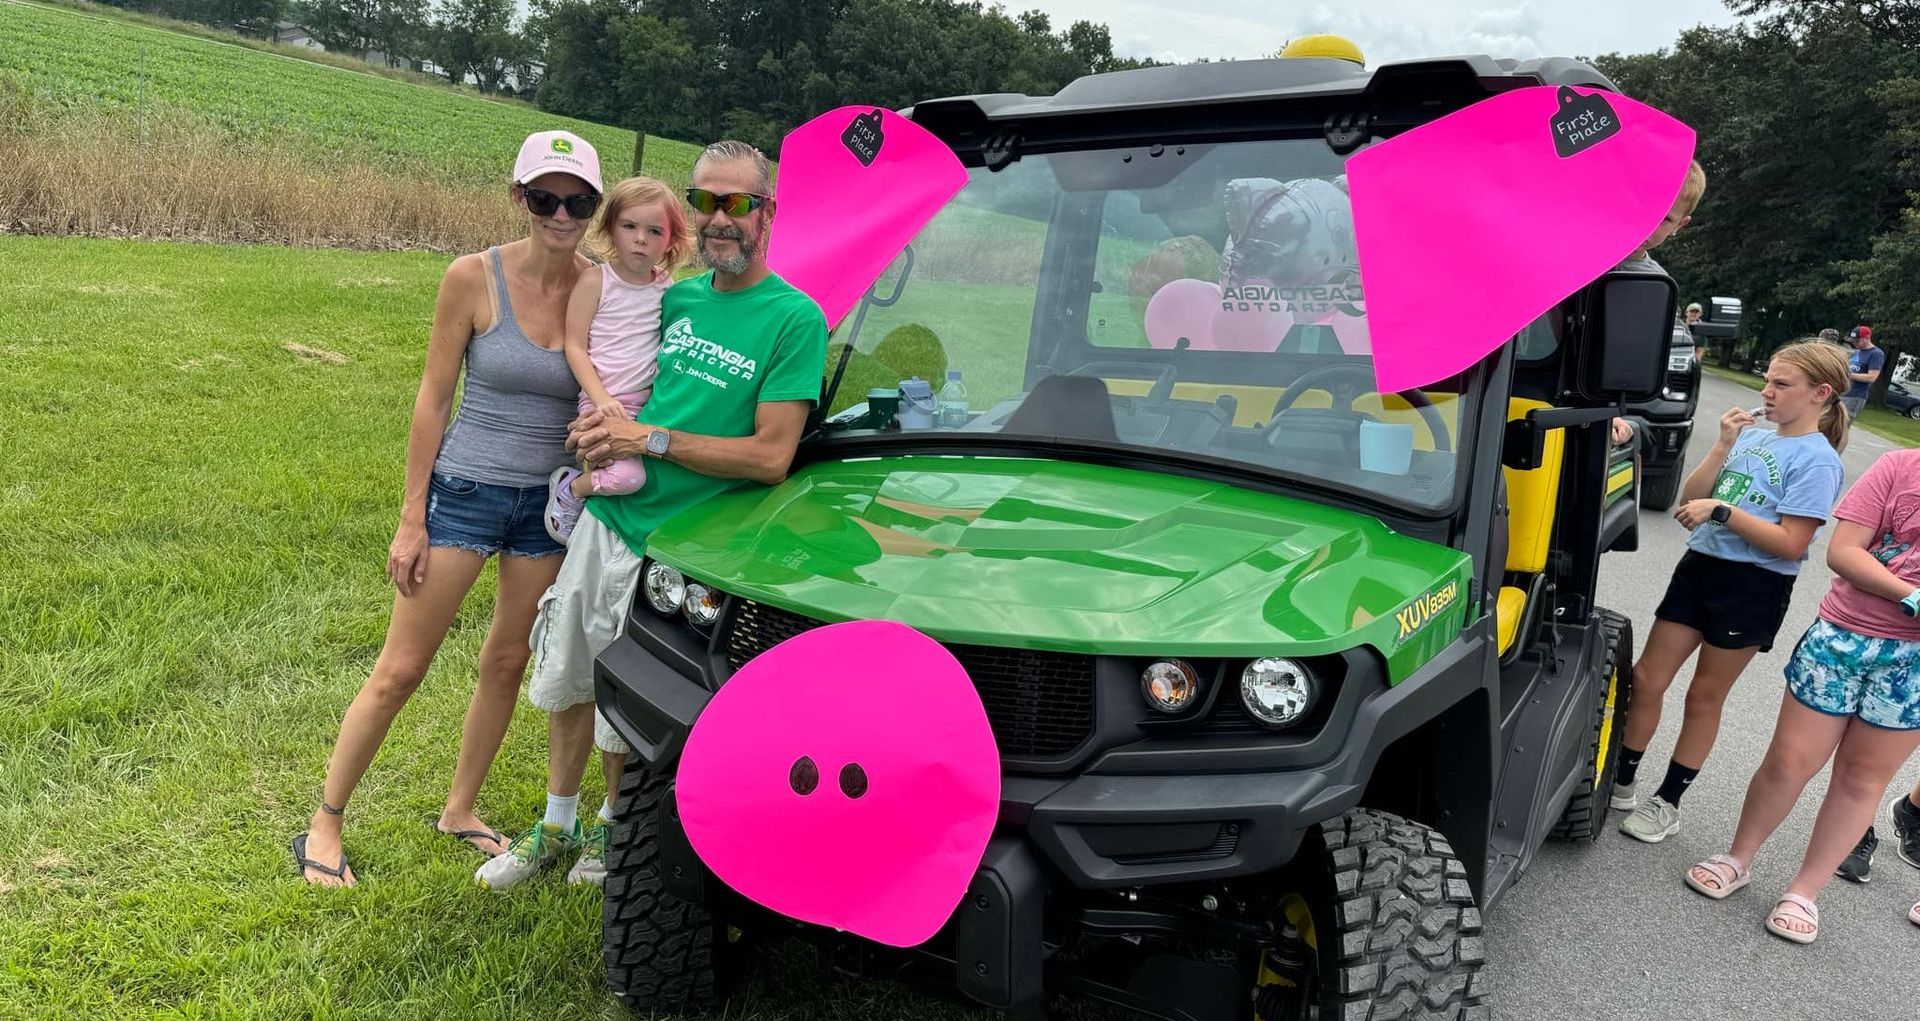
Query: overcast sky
[[1387, 30]]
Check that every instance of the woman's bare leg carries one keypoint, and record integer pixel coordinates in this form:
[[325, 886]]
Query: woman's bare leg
[[503, 665], [414, 632]]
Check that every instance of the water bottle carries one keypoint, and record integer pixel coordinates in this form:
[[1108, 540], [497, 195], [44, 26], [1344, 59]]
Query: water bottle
[[952, 402]]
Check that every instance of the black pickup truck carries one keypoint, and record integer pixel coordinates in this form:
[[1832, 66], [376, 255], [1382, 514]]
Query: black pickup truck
[[1666, 421]]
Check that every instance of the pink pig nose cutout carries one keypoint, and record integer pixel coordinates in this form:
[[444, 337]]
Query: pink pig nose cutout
[[1471, 226], [846, 777]]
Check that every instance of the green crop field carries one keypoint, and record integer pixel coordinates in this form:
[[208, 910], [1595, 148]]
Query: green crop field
[[67, 58]]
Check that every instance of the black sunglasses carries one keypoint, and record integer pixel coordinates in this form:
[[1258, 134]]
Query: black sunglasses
[[738, 203], [543, 203]]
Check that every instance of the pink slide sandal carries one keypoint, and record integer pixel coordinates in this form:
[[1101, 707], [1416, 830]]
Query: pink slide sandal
[[1718, 876], [1794, 908]]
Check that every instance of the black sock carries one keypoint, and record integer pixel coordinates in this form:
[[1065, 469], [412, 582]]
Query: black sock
[[1629, 768], [1678, 778]]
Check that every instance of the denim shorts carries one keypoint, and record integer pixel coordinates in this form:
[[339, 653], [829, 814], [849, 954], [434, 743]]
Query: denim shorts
[[1841, 673], [488, 519]]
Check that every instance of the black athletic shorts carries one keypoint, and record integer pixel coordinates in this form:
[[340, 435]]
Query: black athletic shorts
[[1735, 605]]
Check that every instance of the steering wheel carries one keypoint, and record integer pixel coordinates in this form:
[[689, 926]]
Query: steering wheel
[[1344, 381], [1163, 375]]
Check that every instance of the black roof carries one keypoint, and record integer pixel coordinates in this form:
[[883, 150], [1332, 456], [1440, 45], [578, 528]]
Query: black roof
[[1441, 83]]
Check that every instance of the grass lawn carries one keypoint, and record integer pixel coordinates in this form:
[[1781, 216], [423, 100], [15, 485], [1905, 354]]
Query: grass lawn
[[192, 531], [1873, 418]]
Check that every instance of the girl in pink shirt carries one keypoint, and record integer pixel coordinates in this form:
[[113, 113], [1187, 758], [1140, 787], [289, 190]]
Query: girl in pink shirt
[[1853, 696], [613, 329]]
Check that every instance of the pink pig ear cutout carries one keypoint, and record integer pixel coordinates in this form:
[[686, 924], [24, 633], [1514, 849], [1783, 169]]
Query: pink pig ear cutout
[[855, 185], [846, 777], [1470, 227]]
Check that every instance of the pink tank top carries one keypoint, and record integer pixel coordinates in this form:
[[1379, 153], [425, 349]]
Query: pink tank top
[[623, 341]]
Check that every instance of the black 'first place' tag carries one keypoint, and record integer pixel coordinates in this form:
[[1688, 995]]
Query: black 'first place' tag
[[863, 137], [1582, 122]]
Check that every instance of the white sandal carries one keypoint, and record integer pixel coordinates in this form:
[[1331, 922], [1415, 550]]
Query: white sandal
[[1794, 908], [1725, 873]]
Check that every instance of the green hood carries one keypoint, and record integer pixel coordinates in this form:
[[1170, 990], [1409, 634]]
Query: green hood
[[1076, 558]]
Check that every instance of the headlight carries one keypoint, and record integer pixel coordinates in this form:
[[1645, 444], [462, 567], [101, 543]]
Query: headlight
[[666, 588], [1276, 691], [702, 604], [1170, 686]]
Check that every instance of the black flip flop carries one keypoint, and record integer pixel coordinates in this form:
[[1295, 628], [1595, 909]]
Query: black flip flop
[[467, 836], [302, 863]]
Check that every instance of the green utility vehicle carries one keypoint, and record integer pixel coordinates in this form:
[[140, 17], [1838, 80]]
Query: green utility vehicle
[[1290, 678]]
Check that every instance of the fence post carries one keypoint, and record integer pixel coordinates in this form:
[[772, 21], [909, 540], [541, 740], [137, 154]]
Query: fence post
[[639, 149]]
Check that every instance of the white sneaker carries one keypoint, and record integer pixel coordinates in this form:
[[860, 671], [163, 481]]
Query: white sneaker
[[529, 852], [591, 868], [1626, 797], [1652, 822]]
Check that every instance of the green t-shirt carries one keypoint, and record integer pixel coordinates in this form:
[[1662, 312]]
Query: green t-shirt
[[721, 354]]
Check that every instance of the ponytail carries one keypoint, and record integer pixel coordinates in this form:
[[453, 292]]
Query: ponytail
[[1834, 425]]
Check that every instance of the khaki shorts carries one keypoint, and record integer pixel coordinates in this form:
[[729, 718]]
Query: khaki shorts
[[580, 615]]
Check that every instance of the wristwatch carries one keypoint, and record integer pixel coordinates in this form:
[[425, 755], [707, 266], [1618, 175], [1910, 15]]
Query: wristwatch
[[1911, 604], [657, 441], [1722, 513]]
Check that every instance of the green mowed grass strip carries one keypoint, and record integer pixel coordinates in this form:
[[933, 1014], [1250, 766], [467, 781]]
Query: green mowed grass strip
[[77, 59], [192, 531]]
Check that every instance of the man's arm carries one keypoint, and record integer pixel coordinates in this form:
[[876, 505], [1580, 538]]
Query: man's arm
[[765, 456], [1872, 373]]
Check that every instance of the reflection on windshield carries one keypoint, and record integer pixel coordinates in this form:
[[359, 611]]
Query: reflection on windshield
[[1204, 301]]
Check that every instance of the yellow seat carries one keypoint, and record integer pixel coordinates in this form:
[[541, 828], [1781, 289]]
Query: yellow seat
[[1513, 605], [1532, 497]]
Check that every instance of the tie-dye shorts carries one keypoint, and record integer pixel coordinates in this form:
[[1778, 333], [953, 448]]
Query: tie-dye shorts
[[1841, 673]]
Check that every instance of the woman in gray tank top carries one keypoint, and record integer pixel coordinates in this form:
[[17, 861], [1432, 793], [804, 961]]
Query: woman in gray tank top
[[475, 488]]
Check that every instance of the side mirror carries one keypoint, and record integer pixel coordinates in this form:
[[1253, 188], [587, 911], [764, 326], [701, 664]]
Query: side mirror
[[1722, 320], [1629, 328]]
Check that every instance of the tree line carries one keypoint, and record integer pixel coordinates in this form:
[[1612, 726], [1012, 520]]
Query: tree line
[[1807, 113], [1808, 122], [694, 69]]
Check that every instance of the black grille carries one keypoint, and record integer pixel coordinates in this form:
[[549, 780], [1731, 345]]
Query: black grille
[[1040, 704]]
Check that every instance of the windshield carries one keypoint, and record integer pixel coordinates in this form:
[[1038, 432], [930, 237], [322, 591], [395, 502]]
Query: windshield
[[1194, 301]]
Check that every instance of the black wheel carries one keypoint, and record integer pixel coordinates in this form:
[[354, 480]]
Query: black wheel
[[1914, 412], [1586, 813], [1384, 928], [662, 954], [1657, 492]]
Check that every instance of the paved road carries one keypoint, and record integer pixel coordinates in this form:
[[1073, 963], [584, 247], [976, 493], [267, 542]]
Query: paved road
[[1608, 931]]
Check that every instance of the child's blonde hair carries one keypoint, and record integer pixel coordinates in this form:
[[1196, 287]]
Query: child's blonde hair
[[1693, 188], [1823, 363], [639, 191]]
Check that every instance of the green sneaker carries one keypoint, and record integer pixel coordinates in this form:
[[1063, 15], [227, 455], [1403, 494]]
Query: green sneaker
[[1655, 820], [529, 852], [591, 869]]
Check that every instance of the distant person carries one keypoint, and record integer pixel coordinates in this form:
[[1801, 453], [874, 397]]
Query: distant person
[[1853, 697], [1753, 505], [1832, 336], [1692, 323], [707, 431], [613, 329], [1863, 368], [476, 488]]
